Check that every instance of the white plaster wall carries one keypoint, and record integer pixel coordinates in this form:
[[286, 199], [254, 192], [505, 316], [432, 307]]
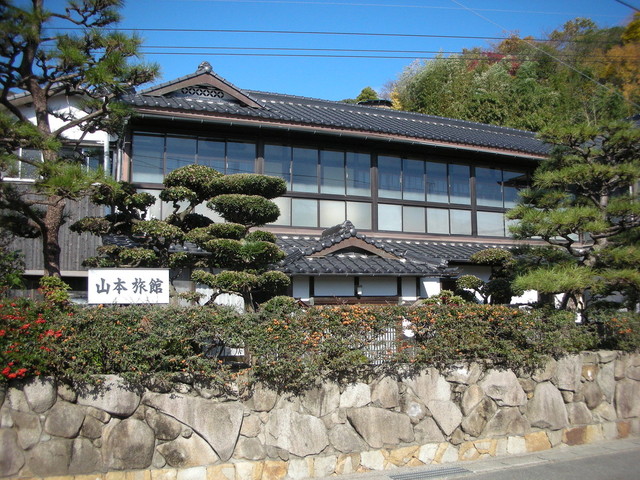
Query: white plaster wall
[[300, 287], [409, 288], [379, 286], [529, 296], [333, 287], [429, 287]]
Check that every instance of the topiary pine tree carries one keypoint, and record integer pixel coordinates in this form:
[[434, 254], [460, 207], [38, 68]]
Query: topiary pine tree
[[232, 258], [584, 200], [41, 64]]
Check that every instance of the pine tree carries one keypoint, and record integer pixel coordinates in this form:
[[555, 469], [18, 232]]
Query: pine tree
[[41, 64]]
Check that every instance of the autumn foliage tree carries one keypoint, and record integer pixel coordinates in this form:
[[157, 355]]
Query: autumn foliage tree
[[40, 64]]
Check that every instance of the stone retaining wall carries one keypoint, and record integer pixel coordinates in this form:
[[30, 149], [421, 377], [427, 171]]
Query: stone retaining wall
[[48, 429]]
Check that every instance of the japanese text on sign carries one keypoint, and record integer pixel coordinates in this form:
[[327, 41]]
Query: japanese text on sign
[[128, 285]]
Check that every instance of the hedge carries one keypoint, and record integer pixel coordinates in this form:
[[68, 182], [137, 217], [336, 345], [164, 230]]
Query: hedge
[[290, 348]]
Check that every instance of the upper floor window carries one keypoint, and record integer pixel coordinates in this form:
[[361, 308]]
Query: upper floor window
[[154, 156], [311, 170]]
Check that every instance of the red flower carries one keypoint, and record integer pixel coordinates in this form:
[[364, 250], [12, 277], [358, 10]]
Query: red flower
[[6, 371]]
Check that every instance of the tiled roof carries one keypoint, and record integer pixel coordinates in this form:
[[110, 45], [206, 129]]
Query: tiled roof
[[288, 109], [412, 257]]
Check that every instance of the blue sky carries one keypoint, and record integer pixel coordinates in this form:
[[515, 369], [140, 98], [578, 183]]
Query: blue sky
[[179, 52]]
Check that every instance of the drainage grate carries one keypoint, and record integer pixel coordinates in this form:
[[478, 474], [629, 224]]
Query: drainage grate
[[431, 473]]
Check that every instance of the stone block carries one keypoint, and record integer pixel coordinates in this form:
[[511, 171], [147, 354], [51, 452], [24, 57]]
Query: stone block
[[468, 451], [28, 427], [323, 400], [355, 395], [503, 387], [446, 414], [372, 460], [604, 413], [465, 374], [607, 356], [446, 453], [50, 458], [609, 430], [187, 452], [226, 471], [296, 433], [575, 436], [64, 420], [345, 465], [427, 453], [546, 373], [486, 446], [345, 439], [471, 397], [626, 398], [218, 423], [579, 414], [299, 468], [251, 426], [537, 441], [115, 476], [164, 474], [379, 427], [385, 393], [249, 449], [624, 429], [324, 466], [429, 385], [113, 395], [427, 431], [41, 393], [592, 394], [128, 445], [506, 421], [193, 473], [249, 470], [11, 455], [606, 380], [274, 470], [85, 458], [516, 445], [164, 427], [546, 408], [400, 457], [568, 373], [475, 422], [413, 407]]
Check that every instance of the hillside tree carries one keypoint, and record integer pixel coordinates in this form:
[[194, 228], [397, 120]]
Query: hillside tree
[[39, 63]]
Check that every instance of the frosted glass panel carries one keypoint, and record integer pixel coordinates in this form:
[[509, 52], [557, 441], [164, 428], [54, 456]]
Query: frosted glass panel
[[390, 217], [284, 204], [331, 213], [460, 222], [304, 213], [359, 213], [413, 219], [437, 220], [490, 224]]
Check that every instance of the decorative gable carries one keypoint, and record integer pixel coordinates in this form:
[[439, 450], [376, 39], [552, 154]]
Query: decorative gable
[[203, 84]]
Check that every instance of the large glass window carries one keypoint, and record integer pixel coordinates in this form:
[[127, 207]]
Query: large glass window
[[511, 183], [180, 151], [437, 184], [389, 171], [332, 213], [460, 222], [277, 162], [332, 172], [148, 159], [413, 182], [211, 154], [241, 157], [358, 174], [489, 187], [284, 204], [459, 191], [304, 170]]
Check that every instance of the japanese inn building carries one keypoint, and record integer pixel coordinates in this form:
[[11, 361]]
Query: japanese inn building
[[382, 205]]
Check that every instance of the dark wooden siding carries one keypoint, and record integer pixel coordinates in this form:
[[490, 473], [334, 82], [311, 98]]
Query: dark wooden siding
[[75, 247]]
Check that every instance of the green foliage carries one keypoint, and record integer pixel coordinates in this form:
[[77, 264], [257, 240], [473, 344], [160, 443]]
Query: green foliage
[[618, 330], [95, 65], [580, 202], [261, 236], [520, 83], [11, 266], [251, 184], [249, 210], [142, 341], [55, 291]]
